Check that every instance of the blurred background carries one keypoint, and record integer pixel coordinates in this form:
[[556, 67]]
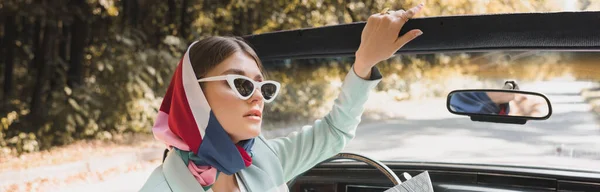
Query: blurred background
[[82, 80]]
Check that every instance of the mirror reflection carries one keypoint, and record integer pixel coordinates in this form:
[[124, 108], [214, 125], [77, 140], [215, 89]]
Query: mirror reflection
[[502, 103]]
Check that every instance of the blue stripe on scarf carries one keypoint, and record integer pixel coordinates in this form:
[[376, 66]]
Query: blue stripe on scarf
[[217, 149], [474, 102]]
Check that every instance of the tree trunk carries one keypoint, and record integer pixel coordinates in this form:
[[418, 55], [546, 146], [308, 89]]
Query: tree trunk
[[10, 34], [38, 32], [251, 20], [63, 55], [64, 43], [134, 7], [340, 10], [238, 15], [26, 32], [184, 25], [352, 15], [245, 19], [79, 33], [207, 7], [2, 27], [37, 38], [37, 106], [171, 18], [125, 13]]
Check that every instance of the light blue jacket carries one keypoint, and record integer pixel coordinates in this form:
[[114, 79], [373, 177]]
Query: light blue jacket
[[276, 161]]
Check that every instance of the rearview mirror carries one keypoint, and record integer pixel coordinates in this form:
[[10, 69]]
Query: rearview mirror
[[499, 105]]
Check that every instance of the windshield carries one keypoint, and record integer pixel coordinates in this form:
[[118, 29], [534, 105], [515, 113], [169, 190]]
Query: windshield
[[406, 118]]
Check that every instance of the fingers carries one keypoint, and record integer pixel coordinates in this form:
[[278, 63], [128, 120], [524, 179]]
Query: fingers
[[407, 37], [403, 17], [374, 17], [379, 38], [398, 20], [400, 14], [406, 15], [413, 11], [372, 21], [384, 11]]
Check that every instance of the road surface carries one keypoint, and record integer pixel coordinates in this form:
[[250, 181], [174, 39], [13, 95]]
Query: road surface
[[570, 138]]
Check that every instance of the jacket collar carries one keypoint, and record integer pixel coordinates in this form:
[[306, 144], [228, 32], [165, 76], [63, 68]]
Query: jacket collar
[[178, 176], [256, 177]]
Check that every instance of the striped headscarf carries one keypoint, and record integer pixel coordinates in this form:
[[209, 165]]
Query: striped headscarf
[[186, 124]]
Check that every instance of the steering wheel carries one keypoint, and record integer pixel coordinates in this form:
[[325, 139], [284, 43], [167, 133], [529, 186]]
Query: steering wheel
[[378, 165]]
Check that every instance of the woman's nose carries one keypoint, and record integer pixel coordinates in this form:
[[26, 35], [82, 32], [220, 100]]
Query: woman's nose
[[257, 96]]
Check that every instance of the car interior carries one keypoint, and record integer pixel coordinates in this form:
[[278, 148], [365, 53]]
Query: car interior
[[558, 31]]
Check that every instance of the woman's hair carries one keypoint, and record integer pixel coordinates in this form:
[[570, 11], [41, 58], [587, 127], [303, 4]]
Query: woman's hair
[[207, 53]]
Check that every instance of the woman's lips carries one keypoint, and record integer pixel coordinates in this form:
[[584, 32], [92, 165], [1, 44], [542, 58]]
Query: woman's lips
[[253, 112], [254, 115], [253, 118]]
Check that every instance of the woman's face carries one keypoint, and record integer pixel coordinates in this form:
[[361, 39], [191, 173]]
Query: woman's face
[[230, 110]]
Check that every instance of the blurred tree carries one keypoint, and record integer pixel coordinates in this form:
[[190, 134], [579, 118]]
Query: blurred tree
[[46, 64], [82, 69], [184, 18], [80, 30], [172, 9], [9, 40]]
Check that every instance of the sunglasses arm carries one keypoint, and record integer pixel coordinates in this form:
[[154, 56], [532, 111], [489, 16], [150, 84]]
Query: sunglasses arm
[[218, 78]]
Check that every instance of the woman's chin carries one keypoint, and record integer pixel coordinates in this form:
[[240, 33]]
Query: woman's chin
[[252, 131], [255, 132]]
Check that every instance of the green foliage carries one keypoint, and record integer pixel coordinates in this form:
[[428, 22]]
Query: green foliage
[[133, 46], [308, 90]]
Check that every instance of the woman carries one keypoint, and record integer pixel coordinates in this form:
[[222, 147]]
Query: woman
[[213, 127], [482, 102]]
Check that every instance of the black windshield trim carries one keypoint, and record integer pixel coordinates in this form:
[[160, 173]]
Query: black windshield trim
[[558, 31]]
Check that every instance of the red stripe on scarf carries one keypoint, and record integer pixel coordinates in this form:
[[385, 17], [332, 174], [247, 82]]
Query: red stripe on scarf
[[502, 110], [247, 159], [181, 118]]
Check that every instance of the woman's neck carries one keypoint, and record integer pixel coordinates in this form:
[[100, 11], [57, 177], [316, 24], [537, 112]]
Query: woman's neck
[[234, 140], [225, 183]]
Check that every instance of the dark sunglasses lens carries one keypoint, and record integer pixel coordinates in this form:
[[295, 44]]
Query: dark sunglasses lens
[[268, 90], [243, 86]]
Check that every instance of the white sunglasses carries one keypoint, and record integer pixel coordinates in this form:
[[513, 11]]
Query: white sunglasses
[[244, 87]]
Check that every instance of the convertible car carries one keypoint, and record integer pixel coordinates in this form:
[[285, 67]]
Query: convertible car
[[553, 55]]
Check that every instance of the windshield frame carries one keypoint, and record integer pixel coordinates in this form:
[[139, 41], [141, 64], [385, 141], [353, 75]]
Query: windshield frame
[[554, 31]]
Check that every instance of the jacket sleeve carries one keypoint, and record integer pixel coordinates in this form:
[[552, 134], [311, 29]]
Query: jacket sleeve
[[301, 150]]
